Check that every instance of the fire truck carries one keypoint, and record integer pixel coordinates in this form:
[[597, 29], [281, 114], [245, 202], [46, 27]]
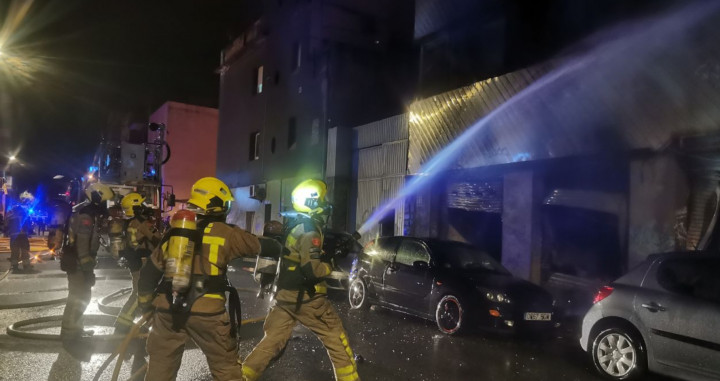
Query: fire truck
[[128, 167]]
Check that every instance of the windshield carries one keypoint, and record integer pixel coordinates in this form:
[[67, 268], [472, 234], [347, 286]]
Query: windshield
[[464, 257]]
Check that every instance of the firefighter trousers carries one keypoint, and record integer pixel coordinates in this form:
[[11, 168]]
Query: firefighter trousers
[[126, 318], [317, 315], [79, 292], [19, 250], [211, 333]]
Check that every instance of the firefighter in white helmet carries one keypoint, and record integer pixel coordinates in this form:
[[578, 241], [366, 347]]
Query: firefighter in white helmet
[[79, 250], [188, 270], [302, 294]]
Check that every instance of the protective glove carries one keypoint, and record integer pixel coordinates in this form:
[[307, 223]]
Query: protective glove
[[87, 264], [89, 278]]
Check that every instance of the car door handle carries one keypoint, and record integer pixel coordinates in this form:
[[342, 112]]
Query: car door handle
[[653, 307]]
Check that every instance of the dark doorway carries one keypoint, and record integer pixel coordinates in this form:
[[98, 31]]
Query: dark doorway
[[268, 213], [387, 224], [481, 229], [581, 242], [249, 219]]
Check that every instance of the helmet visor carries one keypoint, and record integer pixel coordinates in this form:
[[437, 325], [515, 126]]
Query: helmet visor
[[312, 203]]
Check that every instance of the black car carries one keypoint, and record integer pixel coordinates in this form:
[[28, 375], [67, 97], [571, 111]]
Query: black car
[[454, 284]]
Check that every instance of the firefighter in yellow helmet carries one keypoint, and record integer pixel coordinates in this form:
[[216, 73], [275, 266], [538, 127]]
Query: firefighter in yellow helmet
[[79, 250], [141, 238], [188, 269], [302, 293]]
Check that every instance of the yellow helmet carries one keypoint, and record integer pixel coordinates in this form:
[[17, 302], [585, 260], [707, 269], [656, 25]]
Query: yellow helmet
[[309, 196], [99, 193], [210, 196], [129, 201]]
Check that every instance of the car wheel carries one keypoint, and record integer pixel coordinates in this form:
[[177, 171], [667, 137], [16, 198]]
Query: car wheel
[[449, 315], [357, 295], [618, 354]]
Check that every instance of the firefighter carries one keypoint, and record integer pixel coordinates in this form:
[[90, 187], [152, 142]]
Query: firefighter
[[191, 261], [141, 238], [79, 250], [17, 227], [302, 294]]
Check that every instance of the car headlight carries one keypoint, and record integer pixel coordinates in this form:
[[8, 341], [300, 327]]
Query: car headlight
[[497, 297]]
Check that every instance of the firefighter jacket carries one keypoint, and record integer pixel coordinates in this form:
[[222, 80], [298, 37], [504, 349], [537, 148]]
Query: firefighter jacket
[[83, 241], [141, 235], [17, 222], [221, 243], [301, 269], [116, 227]]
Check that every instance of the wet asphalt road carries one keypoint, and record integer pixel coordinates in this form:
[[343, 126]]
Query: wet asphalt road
[[394, 346]]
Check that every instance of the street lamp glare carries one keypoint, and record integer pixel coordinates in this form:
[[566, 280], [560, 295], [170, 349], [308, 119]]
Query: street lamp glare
[[12, 157]]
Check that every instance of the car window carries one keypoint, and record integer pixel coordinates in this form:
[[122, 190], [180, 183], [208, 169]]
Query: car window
[[410, 252], [382, 249], [452, 255], [696, 277]]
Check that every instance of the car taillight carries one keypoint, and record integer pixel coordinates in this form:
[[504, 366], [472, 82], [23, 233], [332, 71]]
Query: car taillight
[[603, 293]]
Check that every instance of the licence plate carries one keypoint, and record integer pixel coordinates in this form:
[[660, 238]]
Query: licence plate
[[538, 316]]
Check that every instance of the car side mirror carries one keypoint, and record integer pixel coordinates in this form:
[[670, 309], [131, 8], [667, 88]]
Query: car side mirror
[[420, 265], [171, 199]]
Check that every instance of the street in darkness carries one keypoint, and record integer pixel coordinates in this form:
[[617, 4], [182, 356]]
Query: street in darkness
[[394, 346]]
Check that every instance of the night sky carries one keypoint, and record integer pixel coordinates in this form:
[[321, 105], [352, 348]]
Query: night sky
[[94, 62]]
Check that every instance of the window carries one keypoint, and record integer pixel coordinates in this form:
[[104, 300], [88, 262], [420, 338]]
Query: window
[[691, 277], [383, 249], [292, 133], [296, 60], [258, 80], [410, 252], [254, 146]]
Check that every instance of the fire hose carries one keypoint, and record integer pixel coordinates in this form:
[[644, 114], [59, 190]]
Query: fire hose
[[134, 333]]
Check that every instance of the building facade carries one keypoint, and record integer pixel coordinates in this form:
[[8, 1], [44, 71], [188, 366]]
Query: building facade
[[191, 133], [581, 165], [302, 69]]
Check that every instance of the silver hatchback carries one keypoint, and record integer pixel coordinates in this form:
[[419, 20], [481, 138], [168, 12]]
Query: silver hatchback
[[663, 316]]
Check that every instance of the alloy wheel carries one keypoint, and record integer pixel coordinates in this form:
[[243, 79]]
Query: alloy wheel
[[449, 314], [357, 294], [616, 355]]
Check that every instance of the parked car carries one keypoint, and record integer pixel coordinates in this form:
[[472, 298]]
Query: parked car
[[663, 316], [453, 284]]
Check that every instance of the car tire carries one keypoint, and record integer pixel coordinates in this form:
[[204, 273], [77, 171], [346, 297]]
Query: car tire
[[358, 295], [618, 354], [449, 315]]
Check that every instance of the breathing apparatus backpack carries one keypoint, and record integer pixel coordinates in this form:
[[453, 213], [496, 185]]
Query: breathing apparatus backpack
[[181, 286], [180, 250]]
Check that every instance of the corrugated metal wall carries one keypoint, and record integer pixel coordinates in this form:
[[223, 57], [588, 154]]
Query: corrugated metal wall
[[382, 149], [382, 131], [437, 121], [564, 109]]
